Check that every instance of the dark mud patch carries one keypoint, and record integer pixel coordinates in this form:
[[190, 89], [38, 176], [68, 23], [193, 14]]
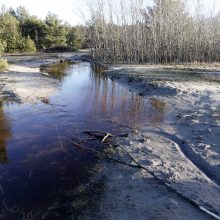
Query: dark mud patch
[[144, 86]]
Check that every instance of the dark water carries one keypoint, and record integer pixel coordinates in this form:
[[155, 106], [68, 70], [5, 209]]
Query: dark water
[[34, 169]]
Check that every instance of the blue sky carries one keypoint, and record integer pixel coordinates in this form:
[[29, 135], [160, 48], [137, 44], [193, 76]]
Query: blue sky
[[70, 10]]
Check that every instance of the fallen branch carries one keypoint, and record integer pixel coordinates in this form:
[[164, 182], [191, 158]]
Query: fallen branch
[[1, 189], [98, 133], [106, 136], [188, 116], [101, 155]]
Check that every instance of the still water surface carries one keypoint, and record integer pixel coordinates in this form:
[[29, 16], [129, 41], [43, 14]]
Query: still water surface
[[34, 169]]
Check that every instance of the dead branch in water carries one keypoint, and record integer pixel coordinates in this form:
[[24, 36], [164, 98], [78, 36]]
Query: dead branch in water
[[100, 154], [98, 134], [187, 116], [106, 136], [1, 189], [61, 145]]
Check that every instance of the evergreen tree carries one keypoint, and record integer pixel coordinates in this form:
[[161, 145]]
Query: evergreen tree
[[28, 45], [36, 29], [20, 31], [9, 32], [55, 31], [2, 46], [74, 38], [22, 14]]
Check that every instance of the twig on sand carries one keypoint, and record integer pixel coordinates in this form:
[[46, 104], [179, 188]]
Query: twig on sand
[[99, 153], [209, 213]]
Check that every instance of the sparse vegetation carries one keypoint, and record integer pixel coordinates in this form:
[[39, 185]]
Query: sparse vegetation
[[3, 63]]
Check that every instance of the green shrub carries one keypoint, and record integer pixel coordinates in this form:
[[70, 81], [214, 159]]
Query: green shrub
[[2, 46], [59, 49], [3, 63], [30, 45], [27, 45]]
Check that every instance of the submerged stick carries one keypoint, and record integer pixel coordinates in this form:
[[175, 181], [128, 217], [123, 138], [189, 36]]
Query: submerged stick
[[102, 155], [188, 116], [61, 145], [1, 189], [98, 133], [79, 137], [106, 136]]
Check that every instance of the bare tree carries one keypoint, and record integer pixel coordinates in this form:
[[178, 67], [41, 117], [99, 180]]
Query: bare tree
[[130, 32]]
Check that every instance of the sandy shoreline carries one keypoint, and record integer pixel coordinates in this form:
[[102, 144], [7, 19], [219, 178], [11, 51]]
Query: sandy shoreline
[[25, 83], [193, 123]]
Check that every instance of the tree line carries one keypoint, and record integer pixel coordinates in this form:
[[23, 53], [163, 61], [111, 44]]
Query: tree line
[[129, 32], [22, 32]]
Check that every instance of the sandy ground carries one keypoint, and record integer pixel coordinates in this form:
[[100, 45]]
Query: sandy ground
[[26, 85], [135, 194], [37, 60], [24, 82], [183, 151]]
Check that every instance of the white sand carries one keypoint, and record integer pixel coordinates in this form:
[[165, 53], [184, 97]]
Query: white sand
[[28, 84], [183, 152]]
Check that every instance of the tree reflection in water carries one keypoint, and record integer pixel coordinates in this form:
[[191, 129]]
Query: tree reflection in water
[[109, 98], [5, 134]]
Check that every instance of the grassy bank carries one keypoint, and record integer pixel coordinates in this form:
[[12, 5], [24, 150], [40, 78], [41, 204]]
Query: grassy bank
[[3, 63]]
